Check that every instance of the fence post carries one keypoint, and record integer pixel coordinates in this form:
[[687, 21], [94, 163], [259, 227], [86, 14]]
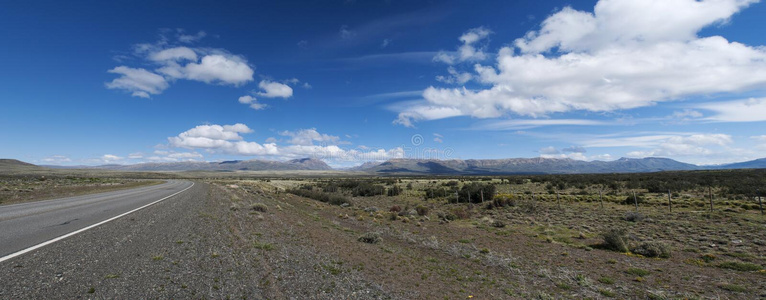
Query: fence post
[[558, 200], [482, 196], [635, 200], [457, 198], [760, 204], [710, 191], [670, 202]]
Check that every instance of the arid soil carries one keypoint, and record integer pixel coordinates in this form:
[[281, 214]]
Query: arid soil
[[250, 239]]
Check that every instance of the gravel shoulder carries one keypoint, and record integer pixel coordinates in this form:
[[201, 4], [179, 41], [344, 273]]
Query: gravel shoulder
[[188, 246]]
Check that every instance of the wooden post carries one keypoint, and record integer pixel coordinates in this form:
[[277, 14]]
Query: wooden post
[[760, 204], [457, 198], [710, 191], [635, 200], [482, 196], [558, 200], [601, 198], [469, 197], [670, 202]]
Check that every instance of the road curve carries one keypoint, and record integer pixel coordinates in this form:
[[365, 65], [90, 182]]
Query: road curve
[[26, 225]]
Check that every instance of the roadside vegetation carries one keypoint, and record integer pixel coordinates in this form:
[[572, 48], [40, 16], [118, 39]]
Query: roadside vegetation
[[532, 236]]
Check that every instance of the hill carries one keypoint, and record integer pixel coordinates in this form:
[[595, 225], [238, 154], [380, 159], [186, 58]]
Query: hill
[[537, 165], [234, 165]]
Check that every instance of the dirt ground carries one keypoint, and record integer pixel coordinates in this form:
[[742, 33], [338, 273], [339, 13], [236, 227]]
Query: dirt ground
[[541, 251]]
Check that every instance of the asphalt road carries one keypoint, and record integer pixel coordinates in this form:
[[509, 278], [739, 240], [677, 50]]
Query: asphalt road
[[27, 225]]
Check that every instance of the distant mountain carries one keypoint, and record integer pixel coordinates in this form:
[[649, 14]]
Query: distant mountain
[[537, 165], [753, 164], [12, 165], [233, 165]]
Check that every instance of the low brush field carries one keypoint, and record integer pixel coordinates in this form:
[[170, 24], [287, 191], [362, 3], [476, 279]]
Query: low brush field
[[541, 237]]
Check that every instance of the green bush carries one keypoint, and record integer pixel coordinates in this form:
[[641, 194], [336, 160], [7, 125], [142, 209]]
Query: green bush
[[616, 239], [422, 210], [739, 266], [653, 249], [370, 238], [259, 207]]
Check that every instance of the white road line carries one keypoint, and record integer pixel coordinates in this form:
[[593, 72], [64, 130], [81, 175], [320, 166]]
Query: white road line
[[43, 244]]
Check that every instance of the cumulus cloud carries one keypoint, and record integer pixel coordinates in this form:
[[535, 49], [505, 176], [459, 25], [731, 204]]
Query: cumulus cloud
[[305, 137], [140, 82], [250, 100], [468, 50], [208, 65], [228, 139], [455, 77], [109, 158], [273, 89], [625, 54], [213, 68]]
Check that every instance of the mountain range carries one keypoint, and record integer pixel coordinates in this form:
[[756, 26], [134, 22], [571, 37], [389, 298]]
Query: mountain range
[[538, 165]]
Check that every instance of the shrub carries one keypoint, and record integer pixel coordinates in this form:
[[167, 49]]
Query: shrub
[[461, 213], [370, 238], [630, 201], [497, 224], [319, 196], [259, 207], [739, 266], [366, 189], [395, 208], [653, 249], [616, 239], [422, 210], [394, 191], [634, 216], [637, 272]]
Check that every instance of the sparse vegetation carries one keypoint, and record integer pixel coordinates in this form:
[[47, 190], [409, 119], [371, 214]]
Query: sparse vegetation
[[370, 238]]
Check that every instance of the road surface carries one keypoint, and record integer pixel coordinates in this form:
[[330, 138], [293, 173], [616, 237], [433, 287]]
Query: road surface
[[28, 226]]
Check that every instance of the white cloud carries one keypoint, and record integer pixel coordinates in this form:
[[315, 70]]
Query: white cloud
[[455, 77], [174, 54], [305, 137], [549, 150], [750, 110], [140, 82], [385, 43], [57, 159], [227, 139], [468, 51], [273, 89], [109, 158], [685, 115], [627, 54], [208, 65], [254, 104], [214, 68], [191, 38], [760, 138], [675, 145]]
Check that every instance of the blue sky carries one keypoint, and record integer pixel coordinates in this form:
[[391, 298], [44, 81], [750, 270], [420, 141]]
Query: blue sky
[[88, 83]]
